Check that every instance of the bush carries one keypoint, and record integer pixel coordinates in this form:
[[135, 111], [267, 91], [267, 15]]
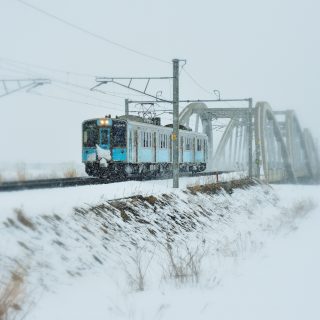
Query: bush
[[70, 173], [11, 296]]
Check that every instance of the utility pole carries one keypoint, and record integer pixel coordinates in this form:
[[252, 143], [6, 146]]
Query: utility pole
[[126, 101], [175, 102], [175, 132], [250, 136]]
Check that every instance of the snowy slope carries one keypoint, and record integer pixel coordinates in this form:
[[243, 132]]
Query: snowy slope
[[249, 259]]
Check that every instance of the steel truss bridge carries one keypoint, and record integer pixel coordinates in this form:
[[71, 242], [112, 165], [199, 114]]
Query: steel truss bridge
[[267, 144]]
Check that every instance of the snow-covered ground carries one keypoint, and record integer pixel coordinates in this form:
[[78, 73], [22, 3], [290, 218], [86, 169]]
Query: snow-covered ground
[[180, 254], [29, 171]]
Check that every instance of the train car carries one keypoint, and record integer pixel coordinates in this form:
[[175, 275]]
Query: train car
[[131, 145]]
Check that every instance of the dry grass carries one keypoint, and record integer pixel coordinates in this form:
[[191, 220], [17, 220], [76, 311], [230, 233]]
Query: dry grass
[[11, 296], [185, 263], [140, 260], [21, 174], [213, 188], [70, 173], [302, 208], [23, 219]]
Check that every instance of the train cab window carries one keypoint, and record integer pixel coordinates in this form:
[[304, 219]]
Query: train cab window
[[90, 137]]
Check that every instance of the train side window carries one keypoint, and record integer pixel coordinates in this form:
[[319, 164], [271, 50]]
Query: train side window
[[188, 144], [161, 140], [146, 139], [198, 145]]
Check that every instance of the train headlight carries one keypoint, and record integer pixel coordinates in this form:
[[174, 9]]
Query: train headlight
[[103, 122]]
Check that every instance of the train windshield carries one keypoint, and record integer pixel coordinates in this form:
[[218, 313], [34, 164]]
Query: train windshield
[[90, 135], [119, 130]]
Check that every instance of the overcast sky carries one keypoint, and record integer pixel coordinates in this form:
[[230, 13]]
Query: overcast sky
[[268, 50]]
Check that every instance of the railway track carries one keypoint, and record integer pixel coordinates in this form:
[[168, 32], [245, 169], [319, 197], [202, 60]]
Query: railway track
[[84, 181]]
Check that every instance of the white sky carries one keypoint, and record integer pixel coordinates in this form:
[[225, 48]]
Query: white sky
[[265, 49]]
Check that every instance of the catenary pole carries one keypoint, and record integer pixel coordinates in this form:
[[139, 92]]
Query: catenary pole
[[250, 136], [175, 133], [126, 101]]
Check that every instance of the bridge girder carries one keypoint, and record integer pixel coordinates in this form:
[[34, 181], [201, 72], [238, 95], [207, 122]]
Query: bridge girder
[[283, 150]]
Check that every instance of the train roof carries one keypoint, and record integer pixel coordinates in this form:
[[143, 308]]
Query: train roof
[[139, 121]]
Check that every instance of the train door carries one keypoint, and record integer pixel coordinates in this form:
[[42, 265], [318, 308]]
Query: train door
[[181, 149], [154, 141], [105, 138], [136, 146], [170, 149], [205, 151], [130, 146], [194, 150]]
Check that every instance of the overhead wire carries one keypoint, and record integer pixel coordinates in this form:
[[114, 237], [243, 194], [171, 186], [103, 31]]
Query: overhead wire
[[55, 81], [199, 85], [195, 81], [72, 100], [88, 32], [122, 95], [69, 83], [85, 95], [67, 72]]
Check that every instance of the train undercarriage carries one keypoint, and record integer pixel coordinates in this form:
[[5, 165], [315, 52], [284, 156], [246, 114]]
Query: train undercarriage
[[112, 169]]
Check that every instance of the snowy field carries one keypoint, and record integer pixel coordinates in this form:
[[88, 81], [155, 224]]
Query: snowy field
[[178, 254]]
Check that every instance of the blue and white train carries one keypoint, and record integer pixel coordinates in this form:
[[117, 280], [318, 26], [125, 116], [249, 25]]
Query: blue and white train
[[130, 145]]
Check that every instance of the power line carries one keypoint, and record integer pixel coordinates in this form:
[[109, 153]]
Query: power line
[[22, 70], [97, 36], [196, 82], [87, 96], [14, 64], [67, 72], [72, 101]]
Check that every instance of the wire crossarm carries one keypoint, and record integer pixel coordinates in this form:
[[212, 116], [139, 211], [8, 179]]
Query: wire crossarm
[[105, 80], [21, 84]]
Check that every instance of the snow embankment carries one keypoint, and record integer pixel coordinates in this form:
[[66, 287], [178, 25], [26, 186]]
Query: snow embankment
[[164, 255]]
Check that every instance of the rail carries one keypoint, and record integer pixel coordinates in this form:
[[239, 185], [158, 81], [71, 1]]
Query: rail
[[86, 181]]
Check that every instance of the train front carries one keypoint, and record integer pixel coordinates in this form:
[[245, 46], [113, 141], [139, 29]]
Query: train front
[[104, 150]]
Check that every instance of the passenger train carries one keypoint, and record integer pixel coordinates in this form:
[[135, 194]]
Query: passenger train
[[131, 145]]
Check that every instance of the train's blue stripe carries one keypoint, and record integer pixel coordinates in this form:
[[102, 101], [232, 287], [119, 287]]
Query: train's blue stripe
[[88, 153], [119, 154]]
